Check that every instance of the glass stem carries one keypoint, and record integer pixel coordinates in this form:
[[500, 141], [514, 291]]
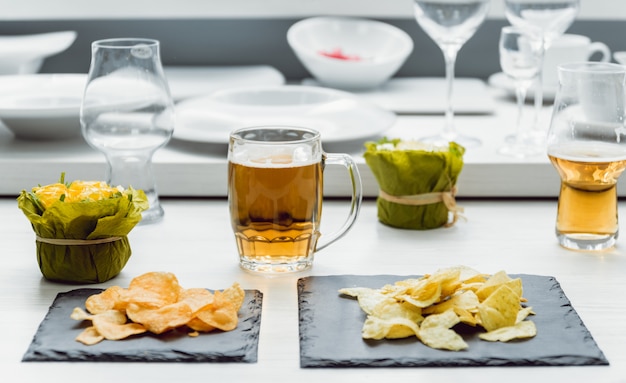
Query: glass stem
[[449, 55], [135, 170], [520, 92], [539, 89]]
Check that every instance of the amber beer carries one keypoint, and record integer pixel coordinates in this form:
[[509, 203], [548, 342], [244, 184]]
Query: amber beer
[[275, 208], [587, 208]]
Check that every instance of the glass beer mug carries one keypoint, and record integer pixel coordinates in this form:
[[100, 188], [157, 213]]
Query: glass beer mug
[[275, 188], [587, 145]]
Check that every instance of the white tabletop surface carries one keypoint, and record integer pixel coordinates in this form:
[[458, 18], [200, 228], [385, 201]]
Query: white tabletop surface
[[194, 242]]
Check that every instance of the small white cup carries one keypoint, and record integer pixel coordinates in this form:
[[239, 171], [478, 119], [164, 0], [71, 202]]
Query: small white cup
[[570, 48]]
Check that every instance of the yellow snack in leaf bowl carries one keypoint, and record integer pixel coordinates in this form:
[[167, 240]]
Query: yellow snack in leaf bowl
[[82, 228]]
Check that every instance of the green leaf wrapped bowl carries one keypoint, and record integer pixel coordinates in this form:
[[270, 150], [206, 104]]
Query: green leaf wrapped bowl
[[82, 228], [417, 182]]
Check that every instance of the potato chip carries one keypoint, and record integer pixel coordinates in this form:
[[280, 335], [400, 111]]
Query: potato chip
[[109, 299], [497, 280], [520, 330], [435, 332], [466, 300], [153, 290], [161, 319], [435, 303], [499, 309], [89, 336], [112, 325], [390, 328], [221, 314], [157, 303]]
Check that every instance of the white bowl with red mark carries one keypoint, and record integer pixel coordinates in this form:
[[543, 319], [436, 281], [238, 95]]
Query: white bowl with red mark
[[349, 53]]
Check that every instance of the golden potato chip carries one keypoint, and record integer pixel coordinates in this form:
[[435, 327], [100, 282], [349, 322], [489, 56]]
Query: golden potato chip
[[89, 336], [109, 299], [112, 325], [161, 319], [153, 290], [436, 332], [80, 314], [196, 298], [221, 314], [499, 309], [520, 330], [235, 294]]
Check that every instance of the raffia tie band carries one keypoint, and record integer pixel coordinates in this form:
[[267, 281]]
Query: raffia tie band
[[71, 242], [446, 197]]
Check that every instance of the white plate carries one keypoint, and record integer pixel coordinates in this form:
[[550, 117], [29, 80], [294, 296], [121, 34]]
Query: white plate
[[42, 106], [502, 81], [337, 115], [24, 54], [427, 95], [187, 82]]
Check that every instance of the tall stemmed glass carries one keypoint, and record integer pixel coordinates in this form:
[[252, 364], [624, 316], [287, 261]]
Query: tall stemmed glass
[[450, 24], [549, 19], [520, 59], [127, 113]]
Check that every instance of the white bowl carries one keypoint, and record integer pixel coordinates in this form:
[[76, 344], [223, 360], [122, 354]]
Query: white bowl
[[24, 54], [370, 51], [42, 106]]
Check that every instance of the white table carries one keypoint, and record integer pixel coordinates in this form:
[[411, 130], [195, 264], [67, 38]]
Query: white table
[[194, 242]]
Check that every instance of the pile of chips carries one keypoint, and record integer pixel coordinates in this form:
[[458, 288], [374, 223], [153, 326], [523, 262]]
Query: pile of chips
[[430, 306], [155, 302]]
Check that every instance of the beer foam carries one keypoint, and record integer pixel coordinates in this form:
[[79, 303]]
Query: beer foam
[[275, 156], [588, 151]]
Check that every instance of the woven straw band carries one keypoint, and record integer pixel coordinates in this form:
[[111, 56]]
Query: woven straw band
[[71, 242], [427, 199]]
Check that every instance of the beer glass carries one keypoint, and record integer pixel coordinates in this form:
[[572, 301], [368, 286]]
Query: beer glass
[[586, 144], [275, 192], [127, 113]]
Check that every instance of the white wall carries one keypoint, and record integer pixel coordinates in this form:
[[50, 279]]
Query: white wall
[[78, 9]]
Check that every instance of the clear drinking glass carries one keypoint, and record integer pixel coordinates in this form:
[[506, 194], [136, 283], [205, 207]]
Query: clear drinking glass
[[548, 19], [520, 59], [127, 113], [587, 145], [450, 24]]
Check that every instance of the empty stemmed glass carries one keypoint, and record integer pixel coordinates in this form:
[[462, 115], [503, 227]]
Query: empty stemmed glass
[[520, 59], [548, 19], [450, 25], [127, 113]]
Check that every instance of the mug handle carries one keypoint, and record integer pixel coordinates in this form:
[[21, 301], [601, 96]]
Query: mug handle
[[356, 198], [602, 48]]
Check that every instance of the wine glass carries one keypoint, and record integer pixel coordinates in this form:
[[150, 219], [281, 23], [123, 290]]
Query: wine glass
[[548, 19], [520, 59], [450, 25], [586, 143], [127, 113]]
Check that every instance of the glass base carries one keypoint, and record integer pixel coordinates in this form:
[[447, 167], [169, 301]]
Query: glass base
[[590, 242], [152, 215], [277, 268], [444, 139]]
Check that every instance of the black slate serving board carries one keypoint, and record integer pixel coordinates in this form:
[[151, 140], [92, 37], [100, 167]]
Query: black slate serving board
[[55, 338], [330, 331]]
